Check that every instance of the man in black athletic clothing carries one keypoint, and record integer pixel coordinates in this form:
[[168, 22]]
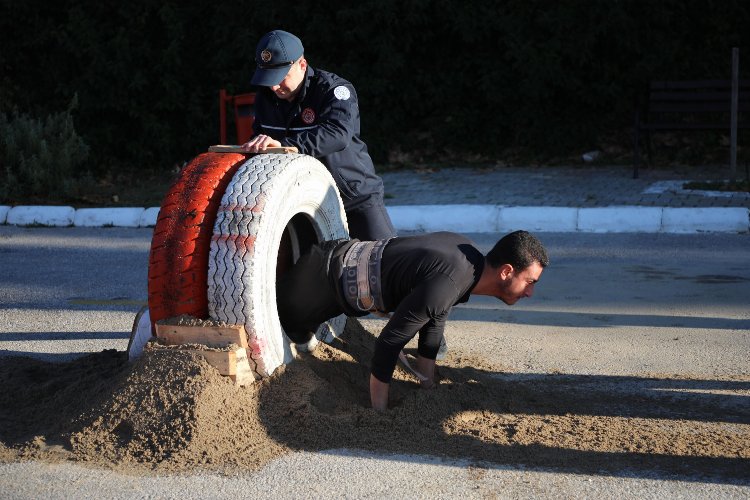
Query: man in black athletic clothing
[[416, 278]]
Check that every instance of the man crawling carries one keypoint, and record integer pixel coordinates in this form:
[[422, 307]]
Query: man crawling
[[416, 278]]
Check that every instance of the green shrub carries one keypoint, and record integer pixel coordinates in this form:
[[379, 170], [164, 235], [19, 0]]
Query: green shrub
[[40, 157]]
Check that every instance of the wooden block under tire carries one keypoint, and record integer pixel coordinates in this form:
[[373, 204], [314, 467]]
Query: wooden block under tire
[[226, 347], [232, 364], [212, 336]]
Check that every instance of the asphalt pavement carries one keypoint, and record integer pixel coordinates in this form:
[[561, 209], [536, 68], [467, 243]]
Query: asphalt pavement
[[66, 292], [617, 307]]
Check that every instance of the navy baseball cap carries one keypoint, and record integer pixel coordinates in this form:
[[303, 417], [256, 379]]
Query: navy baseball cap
[[274, 56]]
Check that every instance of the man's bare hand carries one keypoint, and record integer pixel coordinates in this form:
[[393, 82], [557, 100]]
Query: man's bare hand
[[260, 143]]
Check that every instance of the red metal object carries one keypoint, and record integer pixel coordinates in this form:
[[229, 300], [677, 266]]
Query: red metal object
[[244, 115]]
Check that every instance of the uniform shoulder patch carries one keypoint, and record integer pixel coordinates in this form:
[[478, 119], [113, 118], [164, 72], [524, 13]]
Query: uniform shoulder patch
[[342, 93]]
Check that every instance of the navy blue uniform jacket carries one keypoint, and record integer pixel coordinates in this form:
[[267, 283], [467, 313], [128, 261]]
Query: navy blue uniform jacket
[[323, 121]]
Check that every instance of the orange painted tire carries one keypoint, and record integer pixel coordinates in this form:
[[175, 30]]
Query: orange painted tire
[[178, 261]]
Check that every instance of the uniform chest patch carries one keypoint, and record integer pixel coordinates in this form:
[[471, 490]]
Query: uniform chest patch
[[342, 93], [308, 116]]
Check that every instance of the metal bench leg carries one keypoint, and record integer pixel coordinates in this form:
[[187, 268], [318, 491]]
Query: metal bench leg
[[636, 147], [649, 150]]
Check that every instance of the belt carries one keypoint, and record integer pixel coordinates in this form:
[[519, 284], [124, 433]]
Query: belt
[[361, 275]]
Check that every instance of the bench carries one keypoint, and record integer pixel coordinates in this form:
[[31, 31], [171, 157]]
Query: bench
[[687, 105], [244, 115]]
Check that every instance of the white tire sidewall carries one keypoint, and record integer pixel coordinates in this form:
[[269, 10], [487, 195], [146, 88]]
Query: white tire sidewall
[[264, 195]]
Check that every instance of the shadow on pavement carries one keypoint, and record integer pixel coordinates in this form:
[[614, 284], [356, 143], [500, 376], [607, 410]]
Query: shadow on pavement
[[692, 430]]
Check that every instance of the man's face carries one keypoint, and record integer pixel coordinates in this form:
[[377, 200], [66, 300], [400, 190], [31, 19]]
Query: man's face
[[292, 82], [515, 285]]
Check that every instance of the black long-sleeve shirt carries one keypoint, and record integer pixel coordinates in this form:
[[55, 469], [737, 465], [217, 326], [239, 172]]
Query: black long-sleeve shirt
[[422, 278]]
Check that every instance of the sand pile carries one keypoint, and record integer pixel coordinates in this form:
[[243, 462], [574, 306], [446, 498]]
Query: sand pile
[[171, 411]]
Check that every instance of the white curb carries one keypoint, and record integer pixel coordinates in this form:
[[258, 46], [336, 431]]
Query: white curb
[[620, 220], [116, 217], [36, 215], [694, 220], [458, 218], [148, 217], [542, 219]]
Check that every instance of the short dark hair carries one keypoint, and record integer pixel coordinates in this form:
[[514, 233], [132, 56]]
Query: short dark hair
[[520, 249]]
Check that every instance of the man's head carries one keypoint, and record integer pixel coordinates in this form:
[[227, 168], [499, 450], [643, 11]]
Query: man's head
[[280, 64], [516, 262]]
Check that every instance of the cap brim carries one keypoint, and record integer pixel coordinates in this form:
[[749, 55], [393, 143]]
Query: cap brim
[[269, 77]]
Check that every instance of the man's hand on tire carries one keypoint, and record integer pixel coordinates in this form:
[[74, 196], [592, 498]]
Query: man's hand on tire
[[260, 143]]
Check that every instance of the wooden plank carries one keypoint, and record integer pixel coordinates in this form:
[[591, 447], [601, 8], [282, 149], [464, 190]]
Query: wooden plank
[[224, 361], [212, 336], [244, 374], [225, 148], [233, 364]]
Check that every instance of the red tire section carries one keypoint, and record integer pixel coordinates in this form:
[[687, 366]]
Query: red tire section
[[178, 261]]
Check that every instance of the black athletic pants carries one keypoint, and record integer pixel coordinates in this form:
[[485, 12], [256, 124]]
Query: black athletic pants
[[306, 295], [368, 219]]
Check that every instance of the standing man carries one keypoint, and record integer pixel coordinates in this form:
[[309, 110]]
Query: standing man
[[317, 112], [417, 278]]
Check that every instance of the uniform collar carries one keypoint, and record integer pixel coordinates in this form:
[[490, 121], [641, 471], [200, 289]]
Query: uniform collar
[[300, 95], [305, 84]]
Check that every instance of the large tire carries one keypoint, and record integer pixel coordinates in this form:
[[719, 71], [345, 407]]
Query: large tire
[[178, 261], [275, 208]]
